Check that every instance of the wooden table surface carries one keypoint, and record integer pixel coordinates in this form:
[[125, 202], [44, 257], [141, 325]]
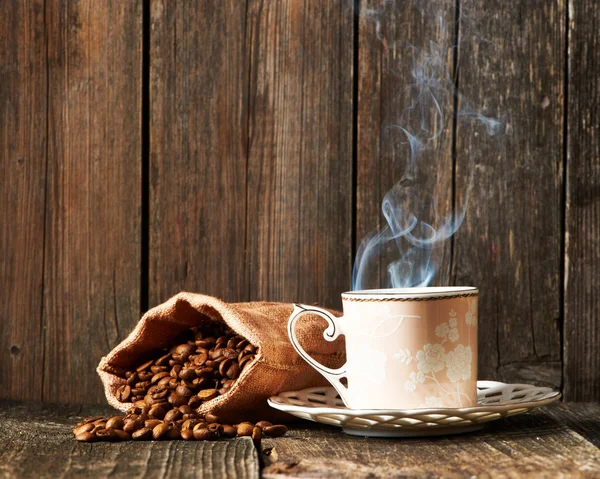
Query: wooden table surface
[[559, 441]]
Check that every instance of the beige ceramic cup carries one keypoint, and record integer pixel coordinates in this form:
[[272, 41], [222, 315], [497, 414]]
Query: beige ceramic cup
[[405, 348]]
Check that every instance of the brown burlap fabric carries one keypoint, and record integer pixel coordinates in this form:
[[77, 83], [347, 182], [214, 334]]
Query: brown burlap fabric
[[277, 366]]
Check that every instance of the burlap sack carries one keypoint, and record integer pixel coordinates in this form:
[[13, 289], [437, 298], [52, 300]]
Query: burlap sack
[[277, 366]]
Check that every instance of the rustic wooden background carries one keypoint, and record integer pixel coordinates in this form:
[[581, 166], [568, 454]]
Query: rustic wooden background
[[150, 146]]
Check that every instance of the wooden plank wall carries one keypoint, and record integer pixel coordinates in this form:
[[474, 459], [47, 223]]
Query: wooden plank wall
[[148, 147]]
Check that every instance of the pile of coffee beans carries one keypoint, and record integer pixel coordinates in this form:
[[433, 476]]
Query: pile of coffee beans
[[200, 367], [166, 391], [179, 423]]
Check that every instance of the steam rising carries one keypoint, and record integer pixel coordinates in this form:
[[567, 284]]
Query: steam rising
[[409, 249]]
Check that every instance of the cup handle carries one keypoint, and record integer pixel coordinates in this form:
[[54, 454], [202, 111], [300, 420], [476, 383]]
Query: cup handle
[[333, 330]]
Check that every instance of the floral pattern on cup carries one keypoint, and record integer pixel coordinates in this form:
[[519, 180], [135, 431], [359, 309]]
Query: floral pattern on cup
[[471, 316], [433, 358]]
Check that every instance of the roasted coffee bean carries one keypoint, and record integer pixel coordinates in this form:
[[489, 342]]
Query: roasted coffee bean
[[187, 434], [152, 423], [202, 434], [158, 376], [143, 434], [177, 400], [230, 353], [107, 434], [115, 422], [207, 394], [233, 372], [86, 437], [212, 418], [184, 391], [189, 424], [159, 431], [163, 360], [157, 412], [245, 429], [83, 428], [188, 374], [263, 424], [172, 415], [224, 366], [215, 428], [123, 393], [275, 431], [134, 426], [194, 401], [145, 366], [185, 409]]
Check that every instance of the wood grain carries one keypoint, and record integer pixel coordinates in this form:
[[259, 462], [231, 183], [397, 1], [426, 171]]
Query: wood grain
[[396, 39], [539, 444], [198, 126], [512, 64], [92, 242], [23, 140], [582, 248], [38, 443], [299, 191]]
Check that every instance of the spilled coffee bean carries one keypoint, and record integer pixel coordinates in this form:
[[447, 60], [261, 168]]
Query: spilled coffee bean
[[138, 426]]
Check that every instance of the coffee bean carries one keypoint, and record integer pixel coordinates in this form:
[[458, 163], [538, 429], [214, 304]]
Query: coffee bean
[[152, 423], [107, 434], [194, 401], [184, 391], [275, 431], [230, 353], [133, 426], [212, 418], [158, 411], [224, 366], [263, 424], [143, 434], [115, 422], [233, 372], [188, 374], [187, 434], [215, 428], [123, 393], [202, 434], [159, 431], [86, 437], [163, 360], [172, 415], [158, 376], [245, 429], [200, 359], [145, 366], [83, 428], [177, 400], [189, 424], [207, 394], [186, 409]]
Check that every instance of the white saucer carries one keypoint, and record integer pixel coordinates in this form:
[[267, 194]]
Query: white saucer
[[495, 401]]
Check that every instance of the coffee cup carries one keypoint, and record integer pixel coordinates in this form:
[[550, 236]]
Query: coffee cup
[[406, 348]]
